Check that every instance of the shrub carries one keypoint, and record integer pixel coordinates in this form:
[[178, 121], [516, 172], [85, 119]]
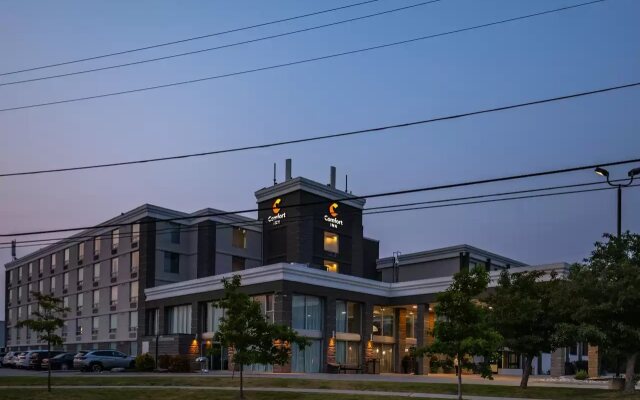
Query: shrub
[[164, 361], [582, 364], [145, 363], [434, 364], [581, 375], [180, 364]]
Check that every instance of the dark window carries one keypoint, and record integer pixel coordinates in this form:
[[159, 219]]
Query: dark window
[[573, 350], [237, 263], [277, 242], [175, 233], [585, 348], [152, 322], [172, 262], [239, 238]]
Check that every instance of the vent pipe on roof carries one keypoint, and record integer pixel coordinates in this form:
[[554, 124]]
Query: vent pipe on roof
[[333, 177], [287, 169]]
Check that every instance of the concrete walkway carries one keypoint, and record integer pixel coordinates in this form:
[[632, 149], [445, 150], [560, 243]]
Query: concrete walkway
[[360, 393]]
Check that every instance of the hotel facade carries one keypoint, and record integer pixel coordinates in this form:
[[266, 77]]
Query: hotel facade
[[146, 281]]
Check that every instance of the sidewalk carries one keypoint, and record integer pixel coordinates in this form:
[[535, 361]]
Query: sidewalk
[[361, 393]]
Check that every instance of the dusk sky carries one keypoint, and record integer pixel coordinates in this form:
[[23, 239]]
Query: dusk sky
[[576, 50]]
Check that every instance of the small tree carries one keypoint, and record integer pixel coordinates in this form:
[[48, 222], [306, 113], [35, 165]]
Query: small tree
[[462, 327], [45, 321], [603, 295], [245, 329], [523, 313]]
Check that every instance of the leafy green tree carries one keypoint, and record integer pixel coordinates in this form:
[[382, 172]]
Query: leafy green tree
[[603, 300], [245, 329], [463, 327], [45, 321], [523, 312]]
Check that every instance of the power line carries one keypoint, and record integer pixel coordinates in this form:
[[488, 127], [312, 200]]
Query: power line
[[370, 212], [189, 39], [219, 47], [328, 136], [292, 63], [351, 197]]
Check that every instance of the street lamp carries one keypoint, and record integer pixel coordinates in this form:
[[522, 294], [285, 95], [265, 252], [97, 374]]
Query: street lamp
[[631, 174]]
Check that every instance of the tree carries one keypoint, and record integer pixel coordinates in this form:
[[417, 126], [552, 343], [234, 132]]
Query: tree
[[523, 313], [462, 326], [603, 295], [245, 329], [45, 321]]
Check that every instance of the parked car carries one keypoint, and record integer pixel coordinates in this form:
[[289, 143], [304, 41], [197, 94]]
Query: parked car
[[2, 354], [98, 360], [9, 359], [21, 361], [63, 361], [35, 357]]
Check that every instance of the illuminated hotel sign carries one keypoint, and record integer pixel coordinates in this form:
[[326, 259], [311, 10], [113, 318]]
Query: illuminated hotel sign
[[332, 218], [276, 218]]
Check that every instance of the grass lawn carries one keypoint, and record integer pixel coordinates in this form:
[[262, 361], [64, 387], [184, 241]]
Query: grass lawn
[[443, 388]]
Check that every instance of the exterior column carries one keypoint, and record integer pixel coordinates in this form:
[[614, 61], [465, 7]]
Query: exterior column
[[421, 337], [594, 361], [558, 358], [365, 337], [329, 344], [401, 338], [283, 314]]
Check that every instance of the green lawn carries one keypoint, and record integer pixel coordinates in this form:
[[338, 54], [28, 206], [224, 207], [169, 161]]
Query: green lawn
[[194, 380]]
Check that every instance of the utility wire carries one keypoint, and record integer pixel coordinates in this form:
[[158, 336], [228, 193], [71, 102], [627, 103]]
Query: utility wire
[[219, 47], [292, 63], [226, 225], [351, 197], [369, 212], [189, 39], [328, 136]]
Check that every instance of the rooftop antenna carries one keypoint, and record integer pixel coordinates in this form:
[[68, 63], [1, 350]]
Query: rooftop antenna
[[346, 183], [396, 266], [274, 174], [13, 249]]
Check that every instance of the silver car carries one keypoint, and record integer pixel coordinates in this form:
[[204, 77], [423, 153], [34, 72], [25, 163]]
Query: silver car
[[99, 360], [9, 360]]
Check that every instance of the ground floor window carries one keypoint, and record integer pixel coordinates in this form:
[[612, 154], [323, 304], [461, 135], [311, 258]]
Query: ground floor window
[[258, 368], [307, 359], [384, 354], [347, 352]]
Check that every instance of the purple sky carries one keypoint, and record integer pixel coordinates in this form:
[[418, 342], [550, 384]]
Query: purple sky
[[571, 51]]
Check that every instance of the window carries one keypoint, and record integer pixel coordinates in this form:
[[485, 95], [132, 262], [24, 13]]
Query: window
[[151, 317], [174, 233], [307, 313], [65, 281], [41, 286], [411, 324], [96, 272], [135, 262], [79, 329], [96, 247], [573, 350], [331, 242], [30, 271], [66, 257], [179, 319], [79, 301], [29, 310], [237, 263], [10, 295], [65, 328], [266, 305], [384, 352], [65, 301], [133, 321], [171, 262], [19, 313], [53, 262], [307, 359], [41, 266], [331, 266], [585, 348], [133, 292], [95, 325], [10, 277], [29, 291], [383, 321], [113, 323], [348, 317], [80, 276], [114, 296], [19, 274], [115, 239], [135, 234], [80, 251], [239, 238], [53, 284], [19, 294], [347, 352], [213, 317], [114, 268], [96, 298]]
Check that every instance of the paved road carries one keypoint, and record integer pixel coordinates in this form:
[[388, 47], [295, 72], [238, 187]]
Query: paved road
[[361, 393]]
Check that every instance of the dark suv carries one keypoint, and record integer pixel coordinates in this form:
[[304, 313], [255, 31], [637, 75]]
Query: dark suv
[[35, 357], [98, 360]]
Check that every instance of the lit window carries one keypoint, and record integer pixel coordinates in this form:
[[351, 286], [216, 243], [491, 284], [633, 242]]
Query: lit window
[[331, 266], [80, 276], [135, 234], [41, 266], [383, 321], [66, 257], [65, 281], [179, 319], [239, 238], [80, 251], [96, 247], [114, 295], [78, 327], [53, 262], [331, 242], [30, 270], [115, 239], [96, 272], [114, 268], [96, 298], [133, 292], [133, 321], [135, 262]]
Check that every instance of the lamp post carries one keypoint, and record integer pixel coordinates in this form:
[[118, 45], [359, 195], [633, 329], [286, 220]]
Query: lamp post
[[631, 174]]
